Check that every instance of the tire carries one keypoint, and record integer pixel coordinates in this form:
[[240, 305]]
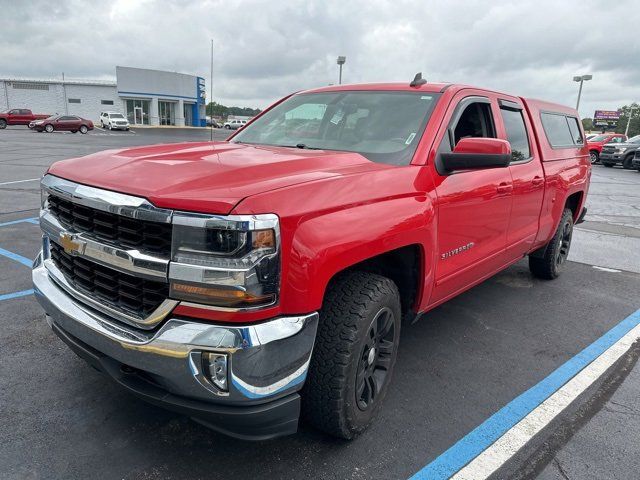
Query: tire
[[608, 165], [101, 123], [3, 124], [109, 127], [83, 129], [354, 354], [594, 157], [228, 127], [49, 128], [627, 163], [549, 264]]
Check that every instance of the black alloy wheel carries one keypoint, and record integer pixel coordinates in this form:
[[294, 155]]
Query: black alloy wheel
[[375, 358]]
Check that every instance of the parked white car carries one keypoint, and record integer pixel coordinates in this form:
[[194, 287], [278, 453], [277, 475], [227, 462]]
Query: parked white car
[[114, 121], [234, 124]]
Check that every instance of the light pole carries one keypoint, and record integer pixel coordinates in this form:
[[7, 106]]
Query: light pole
[[581, 79], [626, 130], [341, 61], [211, 95]]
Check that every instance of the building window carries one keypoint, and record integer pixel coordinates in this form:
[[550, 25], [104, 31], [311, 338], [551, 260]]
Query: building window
[[74, 100], [138, 111], [30, 86], [167, 113], [106, 102]]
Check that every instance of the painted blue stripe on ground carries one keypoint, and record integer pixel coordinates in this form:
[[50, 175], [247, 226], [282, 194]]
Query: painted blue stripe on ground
[[14, 256], [23, 293], [33, 220], [479, 439]]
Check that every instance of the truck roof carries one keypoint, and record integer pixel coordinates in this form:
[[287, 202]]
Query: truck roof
[[428, 87]]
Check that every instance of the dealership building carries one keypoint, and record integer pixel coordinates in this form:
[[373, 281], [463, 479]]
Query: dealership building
[[145, 97]]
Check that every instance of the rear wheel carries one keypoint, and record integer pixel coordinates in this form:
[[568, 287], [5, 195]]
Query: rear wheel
[[593, 156], [3, 124], [83, 129], [49, 128], [548, 263], [354, 354]]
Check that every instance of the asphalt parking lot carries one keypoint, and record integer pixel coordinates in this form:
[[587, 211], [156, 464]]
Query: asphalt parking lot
[[459, 365]]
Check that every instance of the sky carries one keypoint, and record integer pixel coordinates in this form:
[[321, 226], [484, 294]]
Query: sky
[[264, 50]]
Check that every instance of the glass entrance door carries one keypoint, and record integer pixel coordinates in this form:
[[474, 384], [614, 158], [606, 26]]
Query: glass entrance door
[[138, 111], [137, 115]]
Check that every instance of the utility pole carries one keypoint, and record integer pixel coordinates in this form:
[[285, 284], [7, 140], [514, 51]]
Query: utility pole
[[211, 94], [626, 130], [64, 93]]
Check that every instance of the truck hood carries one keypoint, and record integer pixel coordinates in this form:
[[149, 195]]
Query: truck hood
[[207, 177]]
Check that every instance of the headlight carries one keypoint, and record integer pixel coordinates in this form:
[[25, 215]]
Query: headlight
[[229, 262], [621, 149]]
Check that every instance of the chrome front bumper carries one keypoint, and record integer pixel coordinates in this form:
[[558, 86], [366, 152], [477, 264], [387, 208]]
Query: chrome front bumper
[[267, 361]]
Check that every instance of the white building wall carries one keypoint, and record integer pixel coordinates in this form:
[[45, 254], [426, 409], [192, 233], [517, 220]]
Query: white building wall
[[91, 97], [51, 100]]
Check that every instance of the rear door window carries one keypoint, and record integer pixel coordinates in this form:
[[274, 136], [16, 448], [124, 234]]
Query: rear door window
[[516, 133]]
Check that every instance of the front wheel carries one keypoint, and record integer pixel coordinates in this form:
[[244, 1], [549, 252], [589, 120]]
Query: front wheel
[[49, 128], [548, 262], [83, 129], [593, 156], [627, 163], [354, 354]]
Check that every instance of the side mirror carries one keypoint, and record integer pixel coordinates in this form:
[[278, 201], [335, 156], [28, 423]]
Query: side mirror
[[474, 153]]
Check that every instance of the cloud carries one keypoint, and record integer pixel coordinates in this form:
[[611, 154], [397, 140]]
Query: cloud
[[264, 49]]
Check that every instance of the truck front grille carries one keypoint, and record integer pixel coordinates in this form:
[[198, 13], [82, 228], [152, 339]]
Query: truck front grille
[[130, 294], [149, 237], [608, 149]]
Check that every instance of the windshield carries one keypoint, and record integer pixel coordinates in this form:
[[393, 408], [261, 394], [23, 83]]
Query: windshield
[[116, 115], [384, 127], [599, 138]]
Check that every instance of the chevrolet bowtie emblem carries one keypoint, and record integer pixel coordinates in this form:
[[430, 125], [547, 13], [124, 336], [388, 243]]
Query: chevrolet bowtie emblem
[[71, 244]]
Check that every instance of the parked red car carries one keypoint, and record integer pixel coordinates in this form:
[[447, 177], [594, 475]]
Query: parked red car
[[69, 123], [18, 116], [249, 282], [596, 143]]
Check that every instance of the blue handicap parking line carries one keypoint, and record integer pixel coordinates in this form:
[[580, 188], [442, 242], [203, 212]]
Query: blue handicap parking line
[[14, 256], [33, 220], [23, 293], [479, 439]]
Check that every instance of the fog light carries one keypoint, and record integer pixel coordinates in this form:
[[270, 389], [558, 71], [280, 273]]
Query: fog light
[[215, 368]]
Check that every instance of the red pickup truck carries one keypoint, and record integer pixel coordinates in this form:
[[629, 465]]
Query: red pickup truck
[[18, 116], [250, 282]]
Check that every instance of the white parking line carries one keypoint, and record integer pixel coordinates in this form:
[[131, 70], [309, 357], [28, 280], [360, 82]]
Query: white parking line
[[517, 437], [20, 181]]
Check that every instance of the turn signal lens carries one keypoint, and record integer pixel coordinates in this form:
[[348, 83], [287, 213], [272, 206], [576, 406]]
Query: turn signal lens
[[264, 239], [214, 295]]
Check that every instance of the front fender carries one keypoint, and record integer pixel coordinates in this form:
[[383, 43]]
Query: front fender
[[330, 225]]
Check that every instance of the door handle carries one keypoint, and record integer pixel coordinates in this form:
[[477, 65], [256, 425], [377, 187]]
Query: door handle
[[505, 188], [537, 181]]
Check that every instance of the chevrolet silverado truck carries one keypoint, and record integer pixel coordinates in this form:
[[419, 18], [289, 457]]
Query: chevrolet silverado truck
[[264, 279], [18, 116]]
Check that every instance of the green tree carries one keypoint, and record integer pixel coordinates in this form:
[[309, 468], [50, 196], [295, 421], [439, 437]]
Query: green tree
[[634, 126], [218, 110], [587, 124]]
